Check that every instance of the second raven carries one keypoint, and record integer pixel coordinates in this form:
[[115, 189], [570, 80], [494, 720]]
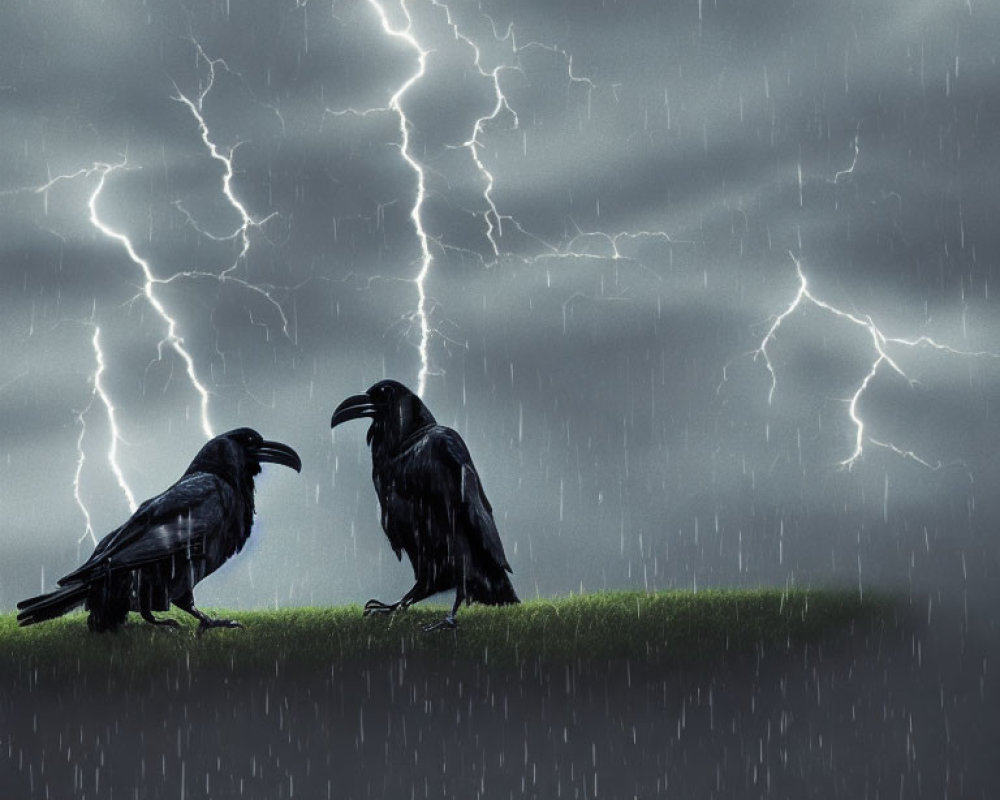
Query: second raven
[[433, 504], [171, 542]]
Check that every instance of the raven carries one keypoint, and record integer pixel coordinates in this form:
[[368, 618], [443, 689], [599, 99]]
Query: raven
[[433, 503], [171, 542]]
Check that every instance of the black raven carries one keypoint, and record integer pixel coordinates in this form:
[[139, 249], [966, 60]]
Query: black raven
[[171, 542], [433, 503]]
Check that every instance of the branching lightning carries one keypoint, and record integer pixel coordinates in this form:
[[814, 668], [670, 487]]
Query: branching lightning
[[172, 339], [493, 219], [115, 435], [98, 392], [882, 361], [81, 457], [196, 107], [395, 105], [247, 221]]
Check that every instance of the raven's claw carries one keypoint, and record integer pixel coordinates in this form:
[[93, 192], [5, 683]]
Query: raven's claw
[[374, 606], [161, 623], [217, 623], [449, 623]]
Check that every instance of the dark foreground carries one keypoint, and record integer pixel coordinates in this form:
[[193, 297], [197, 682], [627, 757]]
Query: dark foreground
[[874, 708]]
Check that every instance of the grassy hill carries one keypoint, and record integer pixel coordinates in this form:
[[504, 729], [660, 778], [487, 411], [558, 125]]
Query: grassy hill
[[600, 695], [678, 627]]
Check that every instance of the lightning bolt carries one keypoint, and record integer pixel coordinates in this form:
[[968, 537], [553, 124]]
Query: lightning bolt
[[196, 107], [81, 457], [98, 392], [109, 407], [248, 222], [172, 340], [473, 144], [395, 106], [882, 361], [494, 220], [882, 345]]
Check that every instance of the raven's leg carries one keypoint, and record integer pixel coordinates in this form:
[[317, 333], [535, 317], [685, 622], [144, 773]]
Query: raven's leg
[[449, 621], [166, 623], [147, 614], [186, 603], [415, 595]]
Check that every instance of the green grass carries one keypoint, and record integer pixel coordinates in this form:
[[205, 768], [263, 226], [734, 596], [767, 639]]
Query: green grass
[[677, 627]]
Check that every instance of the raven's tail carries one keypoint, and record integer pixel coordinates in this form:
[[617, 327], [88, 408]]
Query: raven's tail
[[51, 605], [504, 594], [108, 602], [496, 590]]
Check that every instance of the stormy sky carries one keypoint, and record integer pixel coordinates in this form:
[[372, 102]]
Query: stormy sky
[[707, 287]]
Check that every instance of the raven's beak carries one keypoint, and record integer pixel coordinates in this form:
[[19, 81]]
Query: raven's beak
[[354, 407], [278, 453]]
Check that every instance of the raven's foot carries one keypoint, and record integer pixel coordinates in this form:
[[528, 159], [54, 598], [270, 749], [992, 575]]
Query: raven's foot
[[207, 623], [160, 623], [448, 623], [374, 606]]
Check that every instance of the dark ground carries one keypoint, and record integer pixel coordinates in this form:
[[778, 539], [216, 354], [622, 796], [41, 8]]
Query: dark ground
[[883, 712]]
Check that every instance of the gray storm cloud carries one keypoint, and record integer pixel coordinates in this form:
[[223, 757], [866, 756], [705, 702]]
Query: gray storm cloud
[[654, 173], [622, 200]]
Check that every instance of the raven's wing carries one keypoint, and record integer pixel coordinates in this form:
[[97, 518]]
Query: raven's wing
[[444, 469], [397, 514], [174, 522]]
